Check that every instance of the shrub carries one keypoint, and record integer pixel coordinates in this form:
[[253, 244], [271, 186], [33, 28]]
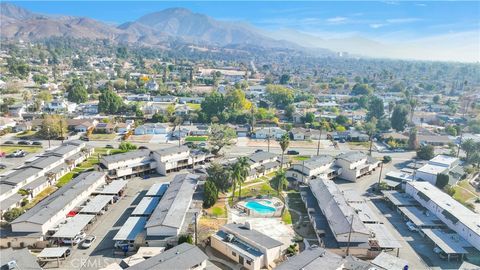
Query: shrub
[[12, 214], [186, 238], [387, 159]]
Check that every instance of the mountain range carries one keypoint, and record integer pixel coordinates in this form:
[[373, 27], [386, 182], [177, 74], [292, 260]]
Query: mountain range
[[174, 24]]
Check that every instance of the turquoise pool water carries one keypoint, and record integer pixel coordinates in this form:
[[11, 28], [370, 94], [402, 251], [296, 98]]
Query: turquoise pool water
[[259, 208]]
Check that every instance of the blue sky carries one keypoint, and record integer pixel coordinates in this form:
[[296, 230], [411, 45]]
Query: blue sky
[[368, 18], [428, 30]]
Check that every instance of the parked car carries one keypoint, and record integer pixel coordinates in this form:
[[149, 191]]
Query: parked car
[[411, 226], [24, 143], [292, 152], [88, 241], [77, 239], [36, 143], [109, 146], [84, 139], [17, 153], [8, 142], [3, 166]]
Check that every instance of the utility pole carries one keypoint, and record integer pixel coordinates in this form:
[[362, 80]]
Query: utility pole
[[61, 130], [319, 139], [414, 170], [196, 237], [349, 236], [268, 140], [179, 136], [460, 143], [303, 168], [48, 133], [380, 176]]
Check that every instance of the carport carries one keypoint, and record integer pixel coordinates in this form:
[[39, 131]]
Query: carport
[[116, 187], [130, 229], [73, 227], [399, 199], [383, 239], [450, 243], [146, 206], [53, 254], [157, 190], [97, 204], [422, 218]]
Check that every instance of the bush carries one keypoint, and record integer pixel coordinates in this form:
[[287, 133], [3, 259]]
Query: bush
[[387, 159], [442, 180], [127, 146], [425, 152], [186, 238], [12, 214]]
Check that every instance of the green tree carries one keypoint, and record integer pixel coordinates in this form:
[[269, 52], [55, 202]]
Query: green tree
[[451, 130], [210, 194], [45, 95], [159, 118], [12, 214], [284, 143], [341, 120], [239, 174], [127, 146], [77, 92], [309, 117], [40, 79], [436, 99], [53, 126], [220, 176], [384, 124], [361, 89], [131, 85], [371, 128], [109, 102], [425, 152], [469, 146], [289, 111], [213, 104], [18, 67], [185, 238], [119, 84], [280, 181], [375, 108], [280, 96], [284, 79], [399, 118], [442, 180], [221, 136]]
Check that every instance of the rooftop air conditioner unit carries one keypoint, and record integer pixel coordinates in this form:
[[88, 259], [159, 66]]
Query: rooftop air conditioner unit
[[12, 264]]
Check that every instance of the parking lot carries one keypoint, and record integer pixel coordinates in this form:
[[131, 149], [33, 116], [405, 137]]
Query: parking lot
[[101, 253]]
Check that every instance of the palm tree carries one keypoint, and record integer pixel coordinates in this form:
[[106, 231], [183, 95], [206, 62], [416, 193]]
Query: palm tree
[[370, 128], [413, 104], [240, 173], [284, 142], [469, 147], [280, 180]]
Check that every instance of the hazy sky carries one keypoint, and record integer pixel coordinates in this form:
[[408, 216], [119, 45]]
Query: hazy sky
[[418, 25]]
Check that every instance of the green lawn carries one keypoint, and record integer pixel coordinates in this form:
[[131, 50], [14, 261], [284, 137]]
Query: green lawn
[[463, 191], [102, 137], [358, 145], [196, 138], [194, 106], [26, 133], [47, 191], [287, 217], [300, 158], [219, 211], [11, 148], [65, 179]]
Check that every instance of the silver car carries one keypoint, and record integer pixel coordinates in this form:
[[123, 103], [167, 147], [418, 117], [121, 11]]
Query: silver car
[[88, 241]]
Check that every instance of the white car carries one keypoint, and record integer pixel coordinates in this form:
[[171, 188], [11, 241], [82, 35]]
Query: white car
[[411, 226], [88, 241], [77, 239]]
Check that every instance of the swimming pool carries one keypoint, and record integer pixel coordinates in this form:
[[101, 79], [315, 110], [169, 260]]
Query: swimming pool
[[259, 208]]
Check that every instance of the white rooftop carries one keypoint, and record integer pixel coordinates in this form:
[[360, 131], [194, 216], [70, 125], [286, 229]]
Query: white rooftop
[[431, 169], [443, 159], [54, 252], [130, 229], [74, 226]]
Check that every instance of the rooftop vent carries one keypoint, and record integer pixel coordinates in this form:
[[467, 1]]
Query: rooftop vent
[[12, 264]]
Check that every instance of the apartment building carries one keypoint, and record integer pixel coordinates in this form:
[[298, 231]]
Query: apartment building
[[355, 165], [322, 167]]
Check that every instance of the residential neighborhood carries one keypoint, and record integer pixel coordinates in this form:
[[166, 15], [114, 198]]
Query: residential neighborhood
[[144, 149]]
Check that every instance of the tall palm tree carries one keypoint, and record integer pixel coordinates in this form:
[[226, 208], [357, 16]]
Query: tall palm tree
[[370, 128], [280, 180], [240, 173], [284, 142]]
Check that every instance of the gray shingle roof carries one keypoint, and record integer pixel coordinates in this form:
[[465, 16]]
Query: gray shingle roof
[[312, 259], [43, 162], [184, 256], [353, 156], [23, 258], [318, 161], [19, 176], [63, 149], [172, 150], [45, 209], [252, 235], [261, 156], [175, 202], [126, 156]]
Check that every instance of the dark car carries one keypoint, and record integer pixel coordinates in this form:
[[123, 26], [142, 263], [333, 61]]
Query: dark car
[[24, 143], [36, 143], [3, 166], [109, 146], [84, 139], [8, 142], [292, 152]]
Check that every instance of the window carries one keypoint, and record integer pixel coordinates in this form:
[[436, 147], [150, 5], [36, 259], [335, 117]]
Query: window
[[249, 262], [234, 254]]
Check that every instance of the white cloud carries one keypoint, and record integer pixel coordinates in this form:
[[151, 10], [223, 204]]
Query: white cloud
[[377, 25], [337, 20], [403, 20]]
